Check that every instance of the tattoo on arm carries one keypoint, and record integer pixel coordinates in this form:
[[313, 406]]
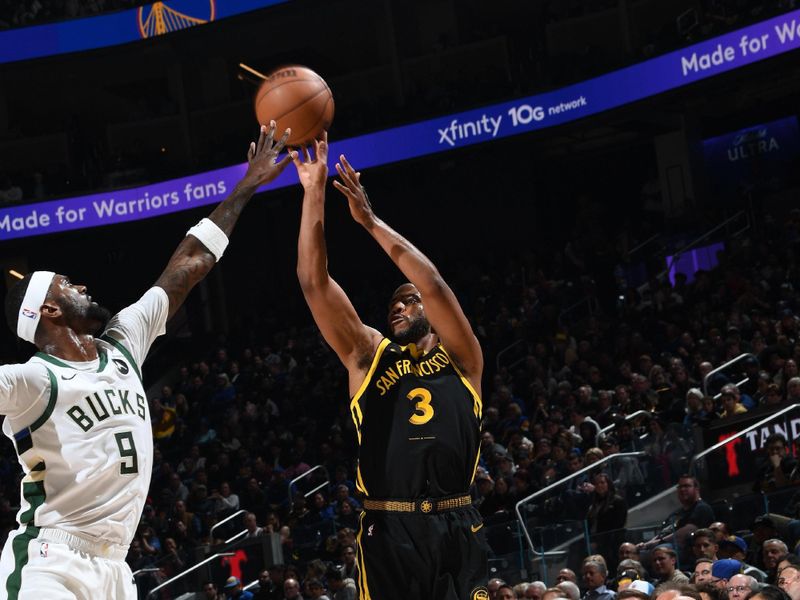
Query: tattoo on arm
[[188, 265]]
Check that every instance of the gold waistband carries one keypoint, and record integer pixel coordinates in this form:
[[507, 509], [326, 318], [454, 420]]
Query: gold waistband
[[425, 505]]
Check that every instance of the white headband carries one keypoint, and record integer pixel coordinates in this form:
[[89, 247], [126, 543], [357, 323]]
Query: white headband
[[29, 311]]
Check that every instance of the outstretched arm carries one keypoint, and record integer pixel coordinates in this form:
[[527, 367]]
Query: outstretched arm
[[192, 260], [340, 325], [441, 306]]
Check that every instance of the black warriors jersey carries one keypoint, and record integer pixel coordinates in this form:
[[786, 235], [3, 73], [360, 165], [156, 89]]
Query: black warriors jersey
[[418, 424]]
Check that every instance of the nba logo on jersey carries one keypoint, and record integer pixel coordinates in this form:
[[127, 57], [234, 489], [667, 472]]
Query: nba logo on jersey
[[369, 530], [27, 312], [43, 549]]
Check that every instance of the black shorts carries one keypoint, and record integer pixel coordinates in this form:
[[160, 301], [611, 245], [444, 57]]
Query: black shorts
[[436, 556]]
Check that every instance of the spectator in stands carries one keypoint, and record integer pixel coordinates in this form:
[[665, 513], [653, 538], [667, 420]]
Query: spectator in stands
[[500, 500], [233, 590], [504, 592], [571, 589], [266, 589], [670, 590], [694, 514], [210, 591], [628, 571], [788, 578], [493, 585], [291, 589], [315, 589], [519, 590], [606, 517], [736, 548], [535, 590], [776, 471], [771, 553], [628, 550], [594, 578], [740, 586], [704, 544], [793, 390], [349, 566], [636, 590], [702, 571], [665, 561], [723, 571], [554, 593], [567, 575], [709, 591], [720, 530], [769, 592], [225, 502], [252, 527], [342, 588], [625, 471], [763, 528], [731, 401]]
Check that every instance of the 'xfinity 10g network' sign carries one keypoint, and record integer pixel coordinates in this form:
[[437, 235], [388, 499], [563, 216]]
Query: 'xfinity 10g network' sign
[[719, 55]]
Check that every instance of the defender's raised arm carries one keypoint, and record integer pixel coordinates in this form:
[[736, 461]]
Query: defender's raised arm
[[205, 242]]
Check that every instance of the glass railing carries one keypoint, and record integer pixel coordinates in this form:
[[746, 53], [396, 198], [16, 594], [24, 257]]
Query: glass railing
[[552, 521]]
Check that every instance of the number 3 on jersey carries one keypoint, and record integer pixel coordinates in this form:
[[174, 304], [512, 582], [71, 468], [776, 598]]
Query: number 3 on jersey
[[127, 451], [423, 411]]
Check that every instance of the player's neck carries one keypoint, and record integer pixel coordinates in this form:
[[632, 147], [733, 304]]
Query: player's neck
[[427, 342], [66, 344]]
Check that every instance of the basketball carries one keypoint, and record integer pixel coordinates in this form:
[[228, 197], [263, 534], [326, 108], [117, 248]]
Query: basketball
[[295, 96]]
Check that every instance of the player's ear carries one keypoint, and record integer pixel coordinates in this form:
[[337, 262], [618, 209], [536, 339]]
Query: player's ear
[[50, 310]]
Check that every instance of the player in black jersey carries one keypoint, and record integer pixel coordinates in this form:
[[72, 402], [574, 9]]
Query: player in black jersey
[[415, 400]]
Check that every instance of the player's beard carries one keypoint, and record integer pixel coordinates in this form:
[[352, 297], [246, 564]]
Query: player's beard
[[417, 329], [98, 316]]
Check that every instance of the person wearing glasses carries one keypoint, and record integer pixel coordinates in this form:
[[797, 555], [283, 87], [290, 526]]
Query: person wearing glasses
[[722, 571], [741, 585]]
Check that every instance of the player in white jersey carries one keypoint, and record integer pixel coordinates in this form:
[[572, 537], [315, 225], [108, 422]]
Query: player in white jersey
[[78, 416]]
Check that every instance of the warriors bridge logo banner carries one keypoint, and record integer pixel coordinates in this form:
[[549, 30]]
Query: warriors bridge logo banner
[[159, 18], [683, 67], [122, 27]]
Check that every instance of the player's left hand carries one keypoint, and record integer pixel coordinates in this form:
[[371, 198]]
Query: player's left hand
[[350, 186], [262, 156]]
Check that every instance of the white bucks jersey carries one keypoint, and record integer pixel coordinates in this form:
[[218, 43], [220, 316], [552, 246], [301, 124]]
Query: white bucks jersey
[[87, 449]]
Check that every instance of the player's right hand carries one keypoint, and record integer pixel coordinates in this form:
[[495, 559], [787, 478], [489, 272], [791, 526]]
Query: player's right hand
[[313, 172]]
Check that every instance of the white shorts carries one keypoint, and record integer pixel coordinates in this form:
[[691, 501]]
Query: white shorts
[[50, 564]]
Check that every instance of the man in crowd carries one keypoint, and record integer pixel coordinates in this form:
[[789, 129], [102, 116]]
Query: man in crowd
[[233, 590], [291, 589], [702, 571], [789, 580], [693, 514], [566, 575], [704, 544], [722, 571], [665, 562], [594, 578], [771, 552], [776, 470], [740, 585]]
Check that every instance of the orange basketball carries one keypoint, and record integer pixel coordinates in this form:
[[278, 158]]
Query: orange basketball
[[294, 96]]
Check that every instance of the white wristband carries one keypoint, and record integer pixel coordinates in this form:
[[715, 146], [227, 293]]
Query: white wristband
[[211, 236]]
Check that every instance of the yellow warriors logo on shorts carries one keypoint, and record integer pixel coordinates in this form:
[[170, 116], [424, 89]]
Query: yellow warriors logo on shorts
[[426, 506], [479, 593]]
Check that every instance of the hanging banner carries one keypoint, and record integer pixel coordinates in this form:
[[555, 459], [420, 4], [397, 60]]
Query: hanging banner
[[122, 27], [700, 61]]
